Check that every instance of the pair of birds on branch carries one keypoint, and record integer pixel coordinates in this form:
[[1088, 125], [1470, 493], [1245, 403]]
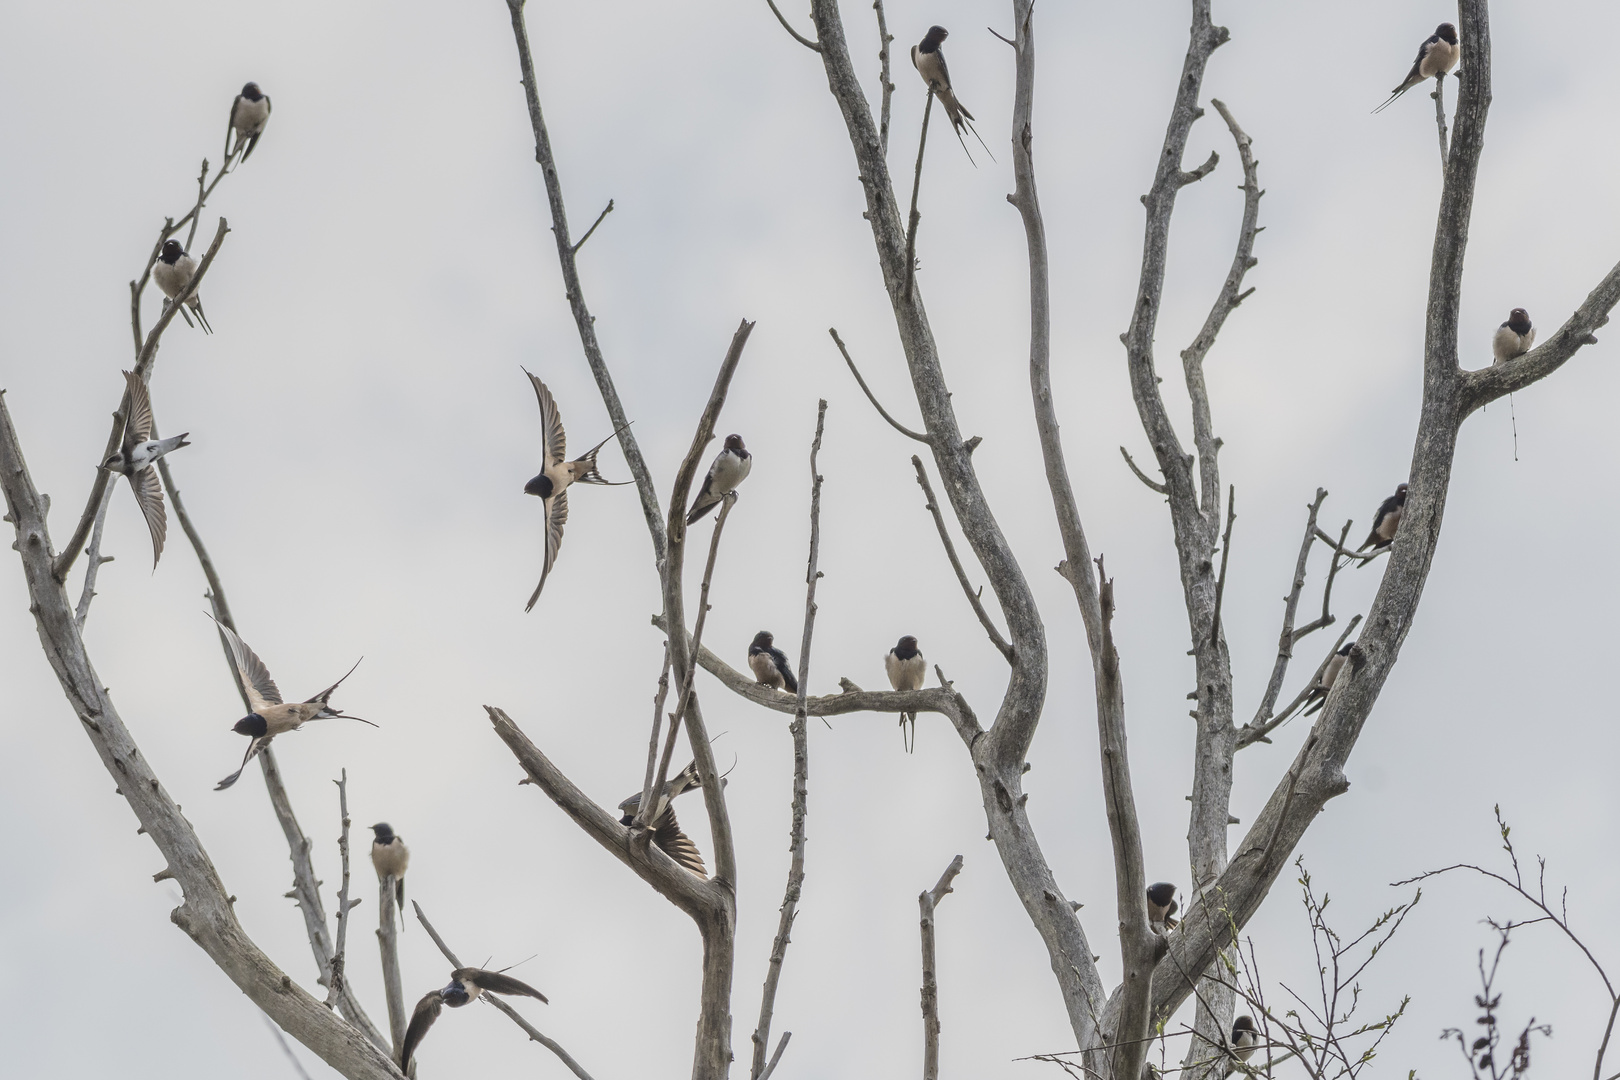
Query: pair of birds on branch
[[175, 268], [557, 474], [904, 664], [1161, 910]]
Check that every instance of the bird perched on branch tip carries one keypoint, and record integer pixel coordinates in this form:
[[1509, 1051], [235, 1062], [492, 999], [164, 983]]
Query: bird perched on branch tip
[[929, 60], [389, 855], [249, 113], [137, 453], [730, 468], [1437, 55]]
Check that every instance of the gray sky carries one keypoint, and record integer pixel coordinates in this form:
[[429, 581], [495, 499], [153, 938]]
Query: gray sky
[[361, 433]]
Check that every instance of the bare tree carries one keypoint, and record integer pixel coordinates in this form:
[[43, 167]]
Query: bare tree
[[1112, 1029]]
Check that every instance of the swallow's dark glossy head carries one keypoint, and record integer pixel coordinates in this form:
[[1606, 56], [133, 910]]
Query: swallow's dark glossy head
[[384, 831], [171, 251], [935, 35], [1243, 1023], [540, 485], [906, 648], [1446, 33], [251, 725], [734, 442], [1518, 321], [1347, 647], [764, 639], [1161, 894], [627, 820], [1400, 492], [251, 91]]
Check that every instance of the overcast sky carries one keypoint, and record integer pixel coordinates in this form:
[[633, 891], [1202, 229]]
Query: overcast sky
[[362, 432]]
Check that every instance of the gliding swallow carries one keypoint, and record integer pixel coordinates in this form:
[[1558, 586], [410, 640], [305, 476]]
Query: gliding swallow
[[1319, 690], [666, 830], [389, 855], [270, 716], [465, 985], [1437, 55], [929, 60], [906, 669], [1385, 524], [730, 468], [1514, 337], [555, 476], [249, 113], [1161, 904], [135, 456], [770, 664], [1245, 1037], [173, 272]]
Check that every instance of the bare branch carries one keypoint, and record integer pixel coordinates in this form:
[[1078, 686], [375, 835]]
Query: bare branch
[[337, 982], [800, 38], [916, 186], [1485, 385], [956, 564], [1142, 476], [206, 915], [652, 742], [143, 366], [93, 560], [511, 1013], [574, 249], [388, 918], [884, 38], [1259, 730], [1286, 639], [781, 1045], [927, 901], [584, 321], [897, 425], [801, 773], [1439, 97], [1226, 553]]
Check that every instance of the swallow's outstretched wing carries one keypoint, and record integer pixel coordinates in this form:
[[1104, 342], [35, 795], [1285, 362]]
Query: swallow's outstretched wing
[[256, 681], [427, 1010], [254, 746], [149, 493], [556, 518], [676, 844], [551, 426]]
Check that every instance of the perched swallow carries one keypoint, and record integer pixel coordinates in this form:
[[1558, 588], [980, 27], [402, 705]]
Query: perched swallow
[[555, 476], [135, 456], [1245, 1037], [1437, 55], [465, 985], [173, 272], [390, 856], [730, 468], [1319, 690], [1161, 904], [770, 664], [1385, 523], [666, 830], [929, 60], [907, 669], [1514, 337], [249, 113], [270, 716]]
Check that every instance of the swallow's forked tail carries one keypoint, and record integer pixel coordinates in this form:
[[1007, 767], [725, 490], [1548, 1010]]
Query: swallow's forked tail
[[591, 476]]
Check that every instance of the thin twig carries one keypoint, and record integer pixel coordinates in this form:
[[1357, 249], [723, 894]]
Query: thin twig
[[1286, 639], [1439, 97], [916, 185], [800, 38], [652, 741], [801, 773], [927, 901], [574, 250], [884, 38], [897, 425], [1142, 476], [996, 639], [781, 1045], [281, 1040], [93, 560], [202, 196], [533, 1033], [1258, 730], [1226, 553], [337, 983]]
